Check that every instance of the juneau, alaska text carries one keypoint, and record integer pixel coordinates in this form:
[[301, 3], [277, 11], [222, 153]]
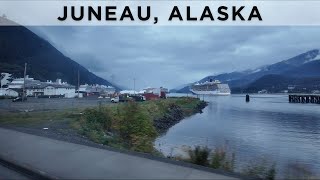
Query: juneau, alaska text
[[127, 13]]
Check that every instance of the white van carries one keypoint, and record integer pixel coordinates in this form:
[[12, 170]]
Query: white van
[[115, 100]]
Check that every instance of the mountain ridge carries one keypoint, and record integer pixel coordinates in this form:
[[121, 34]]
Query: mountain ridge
[[19, 45], [304, 65]]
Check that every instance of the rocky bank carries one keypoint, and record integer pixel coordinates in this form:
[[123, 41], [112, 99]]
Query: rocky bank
[[174, 115]]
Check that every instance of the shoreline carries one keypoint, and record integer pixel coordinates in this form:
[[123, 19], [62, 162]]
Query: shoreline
[[174, 116]]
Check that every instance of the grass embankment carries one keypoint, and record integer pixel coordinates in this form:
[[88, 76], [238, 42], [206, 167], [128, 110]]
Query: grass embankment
[[124, 125], [132, 125]]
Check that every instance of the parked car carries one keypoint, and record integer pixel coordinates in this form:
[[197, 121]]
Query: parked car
[[138, 98], [19, 99], [124, 98], [115, 99]]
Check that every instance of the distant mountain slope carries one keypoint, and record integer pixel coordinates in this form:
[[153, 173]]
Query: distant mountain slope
[[303, 65], [277, 83], [310, 69], [19, 45], [178, 88]]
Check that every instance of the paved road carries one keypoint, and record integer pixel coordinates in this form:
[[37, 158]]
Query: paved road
[[6, 173], [74, 161]]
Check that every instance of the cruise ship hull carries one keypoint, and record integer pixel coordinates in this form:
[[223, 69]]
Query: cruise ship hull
[[215, 93]]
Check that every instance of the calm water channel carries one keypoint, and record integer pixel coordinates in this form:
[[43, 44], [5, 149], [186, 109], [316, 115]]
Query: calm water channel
[[266, 127]]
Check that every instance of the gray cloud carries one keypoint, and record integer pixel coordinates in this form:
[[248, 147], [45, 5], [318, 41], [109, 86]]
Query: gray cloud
[[170, 56]]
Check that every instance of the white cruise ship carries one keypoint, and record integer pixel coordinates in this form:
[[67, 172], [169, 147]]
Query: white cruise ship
[[211, 88]]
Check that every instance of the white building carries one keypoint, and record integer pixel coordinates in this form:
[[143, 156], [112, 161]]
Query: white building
[[8, 92], [148, 90], [38, 88], [156, 90], [132, 92], [5, 79], [97, 89]]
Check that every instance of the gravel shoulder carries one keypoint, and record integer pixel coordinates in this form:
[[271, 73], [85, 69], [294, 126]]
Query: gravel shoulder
[[46, 117], [59, 130]]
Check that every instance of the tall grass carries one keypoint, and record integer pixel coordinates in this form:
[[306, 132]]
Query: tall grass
[[136, 128], [199, 155], [224, 159], [129, 125], [221, 159], [295, 170], [217, 158], [260, 168]]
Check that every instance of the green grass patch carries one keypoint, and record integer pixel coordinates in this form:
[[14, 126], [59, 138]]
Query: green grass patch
[[130, 125], [37, 117]]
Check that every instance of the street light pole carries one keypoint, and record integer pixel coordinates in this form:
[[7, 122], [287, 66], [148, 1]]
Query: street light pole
[[78, 83], [24, 82]]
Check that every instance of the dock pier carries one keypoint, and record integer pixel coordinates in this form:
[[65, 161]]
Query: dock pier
[[315, 99]]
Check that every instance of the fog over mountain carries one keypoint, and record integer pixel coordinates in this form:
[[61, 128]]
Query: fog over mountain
[[173, 56]]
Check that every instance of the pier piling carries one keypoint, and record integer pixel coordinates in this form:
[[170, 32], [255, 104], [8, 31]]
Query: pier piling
[[315, 99], [247, 98]]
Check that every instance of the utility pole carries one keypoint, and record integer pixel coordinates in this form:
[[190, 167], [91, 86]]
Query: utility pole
[[2, 76], [24, 82], [78, 83], [134, 86]]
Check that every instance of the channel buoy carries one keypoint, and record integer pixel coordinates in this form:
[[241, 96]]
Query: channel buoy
[[247, 98]]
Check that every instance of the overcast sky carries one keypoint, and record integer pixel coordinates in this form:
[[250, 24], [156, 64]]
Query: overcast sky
[[172, 56]]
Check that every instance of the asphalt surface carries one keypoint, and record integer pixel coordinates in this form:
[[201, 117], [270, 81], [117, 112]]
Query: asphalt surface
[[6, 173], [74, 161]]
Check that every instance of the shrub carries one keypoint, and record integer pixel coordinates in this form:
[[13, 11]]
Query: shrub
[[95, 136], [271, 173], [199, 155], [260, 168], [221, 160], [93, 124], [295, 170], [98, 119], [136, 128]]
